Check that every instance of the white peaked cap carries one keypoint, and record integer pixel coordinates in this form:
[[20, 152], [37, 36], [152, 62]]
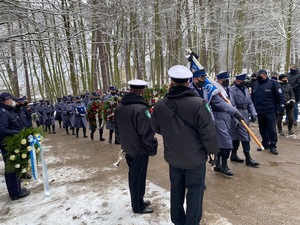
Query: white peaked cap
[[180, 72], [138, 84]]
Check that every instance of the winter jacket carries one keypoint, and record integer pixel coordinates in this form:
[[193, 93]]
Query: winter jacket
[[288, 92], [132, 124], [186, 143], [10, 122], [268, 96], [294, 81]]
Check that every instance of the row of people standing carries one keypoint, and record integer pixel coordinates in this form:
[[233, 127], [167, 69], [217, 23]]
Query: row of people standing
[[73, 113], [228, 108]]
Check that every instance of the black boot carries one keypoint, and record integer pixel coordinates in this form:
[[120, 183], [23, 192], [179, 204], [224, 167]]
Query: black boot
[[117, 140], [110, 136], [53, 129], [67, 130], [84, 132], [77, 132], [48, 129], [73, 130], [218, 165], [225, 169], [249, 160], [59, 122], [234, 157], [92, 134], [101, 135]]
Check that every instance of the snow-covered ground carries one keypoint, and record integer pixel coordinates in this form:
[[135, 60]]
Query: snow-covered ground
[[73, 202]]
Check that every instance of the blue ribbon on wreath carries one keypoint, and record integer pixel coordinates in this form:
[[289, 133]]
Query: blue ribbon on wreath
[[35, 141]]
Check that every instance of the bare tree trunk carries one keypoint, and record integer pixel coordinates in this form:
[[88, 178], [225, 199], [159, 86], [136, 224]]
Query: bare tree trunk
[[67, 27]]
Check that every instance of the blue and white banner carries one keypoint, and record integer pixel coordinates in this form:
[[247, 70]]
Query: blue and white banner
[[210, 89], [194, 67]]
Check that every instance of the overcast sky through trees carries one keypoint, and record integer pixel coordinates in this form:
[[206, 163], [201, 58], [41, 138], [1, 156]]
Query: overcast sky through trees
[[50, 48]]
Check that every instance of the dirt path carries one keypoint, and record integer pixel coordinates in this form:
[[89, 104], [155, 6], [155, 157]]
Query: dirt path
[[266, 195]]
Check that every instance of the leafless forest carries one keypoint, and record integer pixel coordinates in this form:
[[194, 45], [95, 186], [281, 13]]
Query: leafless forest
[[50, 48]]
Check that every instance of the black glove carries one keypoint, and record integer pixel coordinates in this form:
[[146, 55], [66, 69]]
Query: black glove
[[238, 115], [253, 118], [212, 159], [190, 58], [281, 113], [291, 104], [153, 151]]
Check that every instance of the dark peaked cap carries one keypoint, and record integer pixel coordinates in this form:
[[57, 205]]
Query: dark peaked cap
[[4, 96]]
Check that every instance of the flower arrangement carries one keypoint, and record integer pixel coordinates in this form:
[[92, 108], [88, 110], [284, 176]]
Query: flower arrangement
[[19, 147], [94, 108], [109, 108], [151, 95]]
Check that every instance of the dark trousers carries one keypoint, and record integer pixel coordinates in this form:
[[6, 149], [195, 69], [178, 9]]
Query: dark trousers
[[267, 129], [289, 115], [12, 181], [245, 145], [193, 180], [137, 180], [224, 153]]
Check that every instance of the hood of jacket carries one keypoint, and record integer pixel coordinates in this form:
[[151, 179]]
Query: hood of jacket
[[180, 91], [132, 98]]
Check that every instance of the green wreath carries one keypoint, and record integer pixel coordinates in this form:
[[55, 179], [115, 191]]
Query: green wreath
[[18, 150]]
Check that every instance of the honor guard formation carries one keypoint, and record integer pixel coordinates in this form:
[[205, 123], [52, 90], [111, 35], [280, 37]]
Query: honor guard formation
[[200, 118]]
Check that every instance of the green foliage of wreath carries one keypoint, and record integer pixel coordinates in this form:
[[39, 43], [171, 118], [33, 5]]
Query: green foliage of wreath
[[151, 95], [18, 150], [93, 108], [109, 108]]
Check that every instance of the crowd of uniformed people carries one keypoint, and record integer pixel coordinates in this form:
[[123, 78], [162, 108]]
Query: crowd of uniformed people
[[213, 122]]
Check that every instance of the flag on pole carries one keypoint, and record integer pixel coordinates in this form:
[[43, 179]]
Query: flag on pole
[[210, 87]]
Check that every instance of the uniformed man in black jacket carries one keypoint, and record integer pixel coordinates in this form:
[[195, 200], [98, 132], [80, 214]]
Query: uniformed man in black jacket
[[268, 99], [9, 125], [132, 125], [189, 135]]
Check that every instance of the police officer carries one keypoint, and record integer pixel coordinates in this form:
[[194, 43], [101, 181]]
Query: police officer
[[25, 108], [197, 82], [132, 125], [9, 126], [224, 113], [185, 123], [58, 114], [34, 113], [94, 115], [41, 113], [49, 116], [67, 115], [79, 112], [243, 103], [268, 100], [111, 100], [17, 109]]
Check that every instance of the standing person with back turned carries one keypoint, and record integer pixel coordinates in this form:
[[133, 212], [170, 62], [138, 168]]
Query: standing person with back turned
[[133, 126], [184, 121]]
